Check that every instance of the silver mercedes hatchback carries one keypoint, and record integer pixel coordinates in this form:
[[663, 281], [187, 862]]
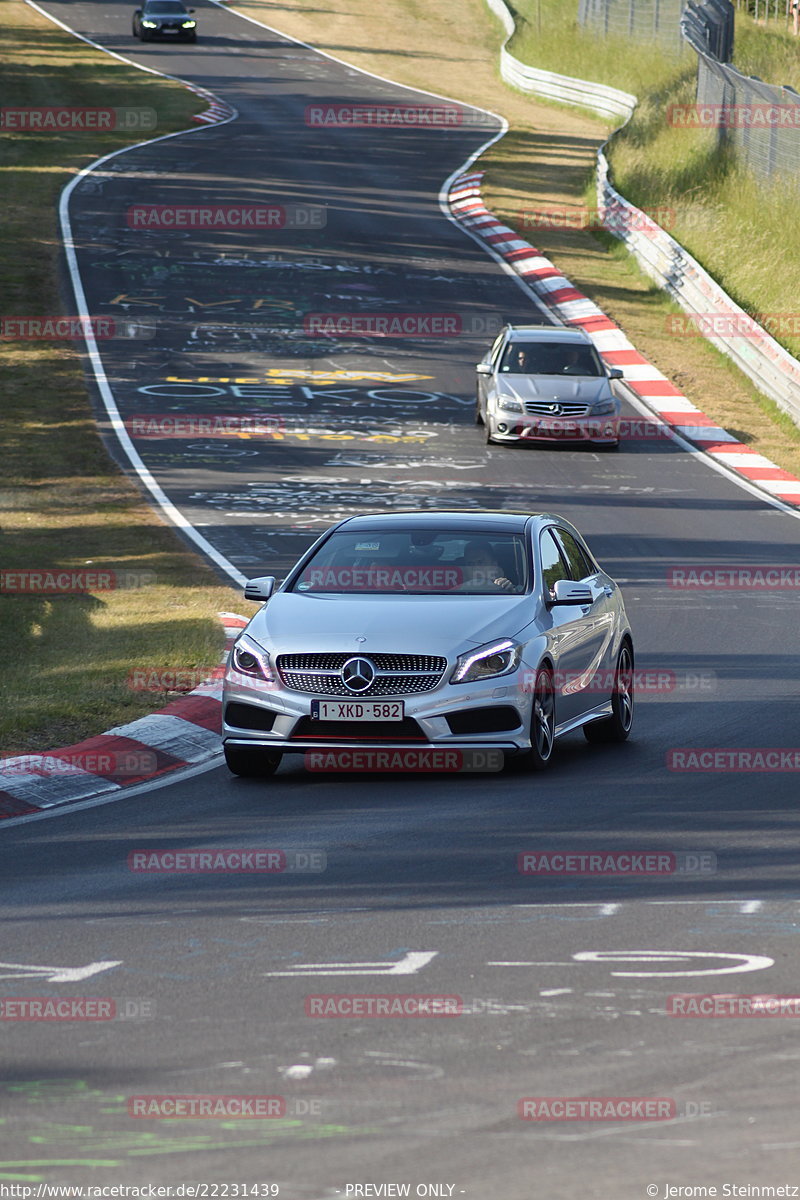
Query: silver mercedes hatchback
[[435, 631]]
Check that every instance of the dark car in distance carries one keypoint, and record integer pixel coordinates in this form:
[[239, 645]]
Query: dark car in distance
[[168, 19]]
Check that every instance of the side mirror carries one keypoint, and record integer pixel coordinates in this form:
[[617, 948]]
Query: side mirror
[[483, 368], [567, 592], [615, 373], [260, 589]]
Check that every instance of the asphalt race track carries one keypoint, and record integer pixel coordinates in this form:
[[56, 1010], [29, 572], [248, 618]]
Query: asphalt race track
[[563, 981]]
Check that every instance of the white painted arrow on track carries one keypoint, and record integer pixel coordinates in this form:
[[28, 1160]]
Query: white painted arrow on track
[[735, 963], [55, 974], [409, 964]]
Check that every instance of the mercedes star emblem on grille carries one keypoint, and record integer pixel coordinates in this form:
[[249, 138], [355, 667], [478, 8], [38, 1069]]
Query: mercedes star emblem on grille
[[554, 408], [358, 674]]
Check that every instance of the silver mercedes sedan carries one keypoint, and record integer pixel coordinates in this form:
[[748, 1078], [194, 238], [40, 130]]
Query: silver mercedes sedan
[[546, 384], [411, 632]]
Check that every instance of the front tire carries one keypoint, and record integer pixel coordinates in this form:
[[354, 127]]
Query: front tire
[[252, 763], [617, 727], [543, 724]]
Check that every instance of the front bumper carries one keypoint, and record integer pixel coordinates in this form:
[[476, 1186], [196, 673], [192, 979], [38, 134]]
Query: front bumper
[[491, 714], [527, 427], [172, 32]]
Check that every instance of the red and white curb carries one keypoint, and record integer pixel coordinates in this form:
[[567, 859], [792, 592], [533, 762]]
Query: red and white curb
[[644, 380], [217, 109], [184, 733]]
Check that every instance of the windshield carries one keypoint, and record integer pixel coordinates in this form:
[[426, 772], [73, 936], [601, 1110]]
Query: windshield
[[550, 358], [418, 562], [165, 8]]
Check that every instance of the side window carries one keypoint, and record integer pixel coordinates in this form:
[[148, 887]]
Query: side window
[[497, 346], [578, 564], [553, 565]]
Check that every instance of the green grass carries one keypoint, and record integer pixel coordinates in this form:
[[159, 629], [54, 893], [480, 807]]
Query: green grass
[[65, 661], [549, 36], [733, 223]]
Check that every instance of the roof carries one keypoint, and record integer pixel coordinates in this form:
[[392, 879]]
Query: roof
[[547, 333], [506, 522]]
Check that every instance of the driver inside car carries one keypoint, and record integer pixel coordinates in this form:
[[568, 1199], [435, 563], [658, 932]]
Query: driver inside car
[[481, 571]]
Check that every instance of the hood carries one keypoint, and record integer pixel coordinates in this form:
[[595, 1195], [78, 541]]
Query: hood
[[579, 389], [293, 623]]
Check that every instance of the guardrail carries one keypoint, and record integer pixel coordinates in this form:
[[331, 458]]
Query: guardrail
[[607, 101], [771, 368]]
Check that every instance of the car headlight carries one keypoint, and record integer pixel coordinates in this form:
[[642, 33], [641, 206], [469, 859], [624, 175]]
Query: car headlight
[[509, 404], [188, 24], [496, 658], [247, 658], [605, 406], [150, 24]]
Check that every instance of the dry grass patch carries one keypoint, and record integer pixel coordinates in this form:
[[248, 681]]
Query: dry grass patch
[[65, 661]]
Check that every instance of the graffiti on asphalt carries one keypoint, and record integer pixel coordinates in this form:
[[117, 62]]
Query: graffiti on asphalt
[[323, 500]]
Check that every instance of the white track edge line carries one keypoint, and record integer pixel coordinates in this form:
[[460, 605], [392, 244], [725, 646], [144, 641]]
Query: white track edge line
[[167, 508]]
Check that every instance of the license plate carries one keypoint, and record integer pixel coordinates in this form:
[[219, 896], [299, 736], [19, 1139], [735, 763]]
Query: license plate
[[546, 429], [357, 710]]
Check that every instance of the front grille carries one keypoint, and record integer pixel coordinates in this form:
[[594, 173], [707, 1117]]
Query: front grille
[[396, 674], [309, 730], [567, 409]]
